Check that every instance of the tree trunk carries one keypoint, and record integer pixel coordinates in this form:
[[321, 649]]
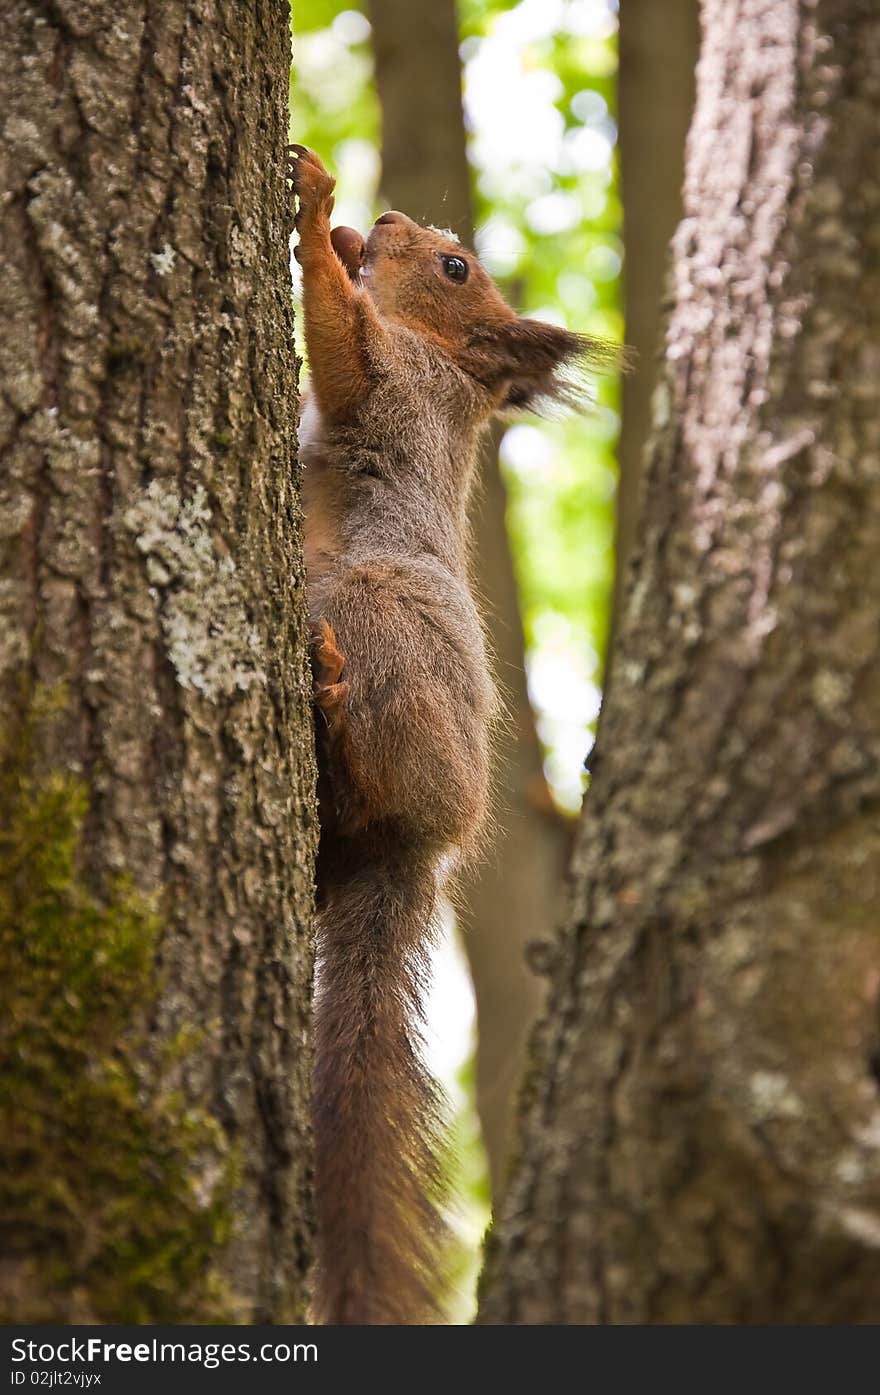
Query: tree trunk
[[513, 897], [418, 77], [658, 54], [158, 808], [700, 1141]]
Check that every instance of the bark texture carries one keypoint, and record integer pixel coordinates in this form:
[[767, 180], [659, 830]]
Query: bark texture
[[658, 48], [150, 579], [512, 898], [701, 1141]]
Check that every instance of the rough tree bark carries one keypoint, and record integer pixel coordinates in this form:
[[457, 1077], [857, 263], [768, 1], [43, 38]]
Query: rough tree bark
[[700, 1141], [514, 896], [156, 715], [658, 46]]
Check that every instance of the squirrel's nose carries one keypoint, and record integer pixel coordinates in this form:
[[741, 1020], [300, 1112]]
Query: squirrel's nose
[[392, 216]]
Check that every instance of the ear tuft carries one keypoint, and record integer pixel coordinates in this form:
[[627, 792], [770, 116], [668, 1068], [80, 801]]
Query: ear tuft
[[534, 364]]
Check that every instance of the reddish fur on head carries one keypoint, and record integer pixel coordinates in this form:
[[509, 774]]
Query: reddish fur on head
[[403, 268]]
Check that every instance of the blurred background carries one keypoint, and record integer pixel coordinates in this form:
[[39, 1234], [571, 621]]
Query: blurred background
[[550, 133]]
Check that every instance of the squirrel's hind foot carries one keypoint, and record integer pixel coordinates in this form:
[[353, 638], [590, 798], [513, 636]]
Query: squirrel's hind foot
[[327, 664]]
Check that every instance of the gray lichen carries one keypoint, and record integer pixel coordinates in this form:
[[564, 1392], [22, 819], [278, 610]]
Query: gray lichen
[[213, 645]]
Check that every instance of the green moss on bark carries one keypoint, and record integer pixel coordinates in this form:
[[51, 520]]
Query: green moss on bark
[[113, 1190]]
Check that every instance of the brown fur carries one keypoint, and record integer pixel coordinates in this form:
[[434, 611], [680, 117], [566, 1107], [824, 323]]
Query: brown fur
[[407, 367]]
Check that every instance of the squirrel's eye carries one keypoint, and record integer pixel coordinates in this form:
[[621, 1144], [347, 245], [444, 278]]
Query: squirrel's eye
[[456, 268]]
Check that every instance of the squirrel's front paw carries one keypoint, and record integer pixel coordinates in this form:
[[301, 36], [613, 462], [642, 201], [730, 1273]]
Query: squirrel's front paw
[[312, 184]]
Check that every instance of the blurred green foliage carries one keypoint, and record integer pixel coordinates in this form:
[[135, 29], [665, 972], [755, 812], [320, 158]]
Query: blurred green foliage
[[333, 98]]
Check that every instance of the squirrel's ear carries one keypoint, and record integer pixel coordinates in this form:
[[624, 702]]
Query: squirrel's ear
[[532, 363]]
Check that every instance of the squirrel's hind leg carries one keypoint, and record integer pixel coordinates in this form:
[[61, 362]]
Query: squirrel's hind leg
[[327, 665], [341, 802]]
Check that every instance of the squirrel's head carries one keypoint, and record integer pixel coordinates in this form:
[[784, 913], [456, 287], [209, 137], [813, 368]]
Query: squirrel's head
[[426, 279]]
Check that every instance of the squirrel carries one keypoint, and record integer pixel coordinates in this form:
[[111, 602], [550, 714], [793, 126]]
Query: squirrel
[[412, 350]]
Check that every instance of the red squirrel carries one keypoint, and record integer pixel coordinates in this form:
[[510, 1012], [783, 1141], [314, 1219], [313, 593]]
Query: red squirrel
[[411, 349]]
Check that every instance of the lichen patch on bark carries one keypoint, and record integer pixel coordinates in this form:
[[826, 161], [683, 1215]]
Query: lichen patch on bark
[[213, 646]]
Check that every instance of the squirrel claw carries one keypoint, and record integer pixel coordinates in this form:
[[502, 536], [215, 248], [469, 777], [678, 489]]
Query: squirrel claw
[[312, 183], [328, 664], [329, 698]]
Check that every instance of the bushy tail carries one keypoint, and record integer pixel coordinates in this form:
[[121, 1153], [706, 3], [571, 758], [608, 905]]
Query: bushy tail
[[381, 1238]]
